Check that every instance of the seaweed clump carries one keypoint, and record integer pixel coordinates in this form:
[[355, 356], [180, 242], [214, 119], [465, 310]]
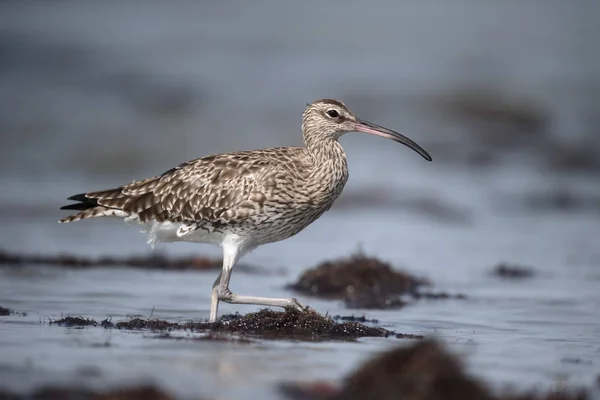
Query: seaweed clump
[[74, 322], [61, 393], [154, 324], [290, 324], [418, 372], [152, 261], [512, 271], [422, 371], [362, 282]]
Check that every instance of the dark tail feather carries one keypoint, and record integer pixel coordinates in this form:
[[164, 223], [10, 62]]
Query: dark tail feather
[[88, 206], [77, 206], [84, 202], [80, 197]]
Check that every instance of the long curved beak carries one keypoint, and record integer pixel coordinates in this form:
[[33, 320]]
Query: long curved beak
[[369, 127]]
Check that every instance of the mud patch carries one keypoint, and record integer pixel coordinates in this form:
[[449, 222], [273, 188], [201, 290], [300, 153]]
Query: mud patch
[[61, 393], [422, 371], [512, 271], [364, 282], [268, 324], [153, 261]]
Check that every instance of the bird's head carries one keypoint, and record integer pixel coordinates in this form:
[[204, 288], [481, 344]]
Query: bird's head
[[330, 119]]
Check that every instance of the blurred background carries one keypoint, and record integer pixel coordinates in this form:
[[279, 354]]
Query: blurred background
[[96, 93], [505, 96]]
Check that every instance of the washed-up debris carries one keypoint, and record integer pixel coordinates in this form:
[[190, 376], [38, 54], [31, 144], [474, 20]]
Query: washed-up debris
[[294, 324], [290, 324], [364, 282], [512, 271], [9, 311], [409, 336], [69, 393], [152, 261], [421, 371], [352, 318], [74, 322]]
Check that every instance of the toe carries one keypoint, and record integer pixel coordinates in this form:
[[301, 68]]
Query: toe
[[298, 306]]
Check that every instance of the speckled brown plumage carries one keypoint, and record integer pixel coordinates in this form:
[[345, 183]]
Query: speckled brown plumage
[[244, 199], [235, 191]]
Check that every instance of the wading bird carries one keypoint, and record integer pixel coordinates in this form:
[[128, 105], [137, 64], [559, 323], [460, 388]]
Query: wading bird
[[242, 200]]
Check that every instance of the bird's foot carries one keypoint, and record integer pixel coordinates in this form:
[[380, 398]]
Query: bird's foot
[[224, 294], [296, 306]]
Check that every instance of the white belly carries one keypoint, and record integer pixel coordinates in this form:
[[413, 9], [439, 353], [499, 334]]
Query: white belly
[[167, 232]]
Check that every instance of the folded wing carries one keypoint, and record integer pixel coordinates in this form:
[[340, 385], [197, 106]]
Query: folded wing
[[216, 189]]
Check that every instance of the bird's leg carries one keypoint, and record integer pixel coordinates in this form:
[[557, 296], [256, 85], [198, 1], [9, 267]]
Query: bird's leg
[[214, 299], [262, 301], [222, 292]]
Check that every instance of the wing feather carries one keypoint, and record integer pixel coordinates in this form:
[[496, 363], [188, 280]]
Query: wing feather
[[218, 189]]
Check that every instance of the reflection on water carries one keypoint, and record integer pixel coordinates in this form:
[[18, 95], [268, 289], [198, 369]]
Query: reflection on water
[[505, 97]]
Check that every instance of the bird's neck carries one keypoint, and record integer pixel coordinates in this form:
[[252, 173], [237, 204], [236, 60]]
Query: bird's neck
[[329, 167], [325, 151]]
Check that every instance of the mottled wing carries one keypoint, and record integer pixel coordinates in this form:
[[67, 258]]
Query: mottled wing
[[216, 189]]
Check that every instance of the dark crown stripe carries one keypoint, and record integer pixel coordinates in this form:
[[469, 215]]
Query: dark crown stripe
[[331, 101]]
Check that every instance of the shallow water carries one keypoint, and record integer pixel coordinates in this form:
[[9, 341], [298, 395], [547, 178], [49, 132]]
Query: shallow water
[[130, 94], [518, 333]]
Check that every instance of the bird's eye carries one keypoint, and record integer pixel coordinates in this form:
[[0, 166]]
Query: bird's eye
[[333, 113]]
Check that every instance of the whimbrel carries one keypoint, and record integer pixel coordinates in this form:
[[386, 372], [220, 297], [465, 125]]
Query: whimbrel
[[242, 200]]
